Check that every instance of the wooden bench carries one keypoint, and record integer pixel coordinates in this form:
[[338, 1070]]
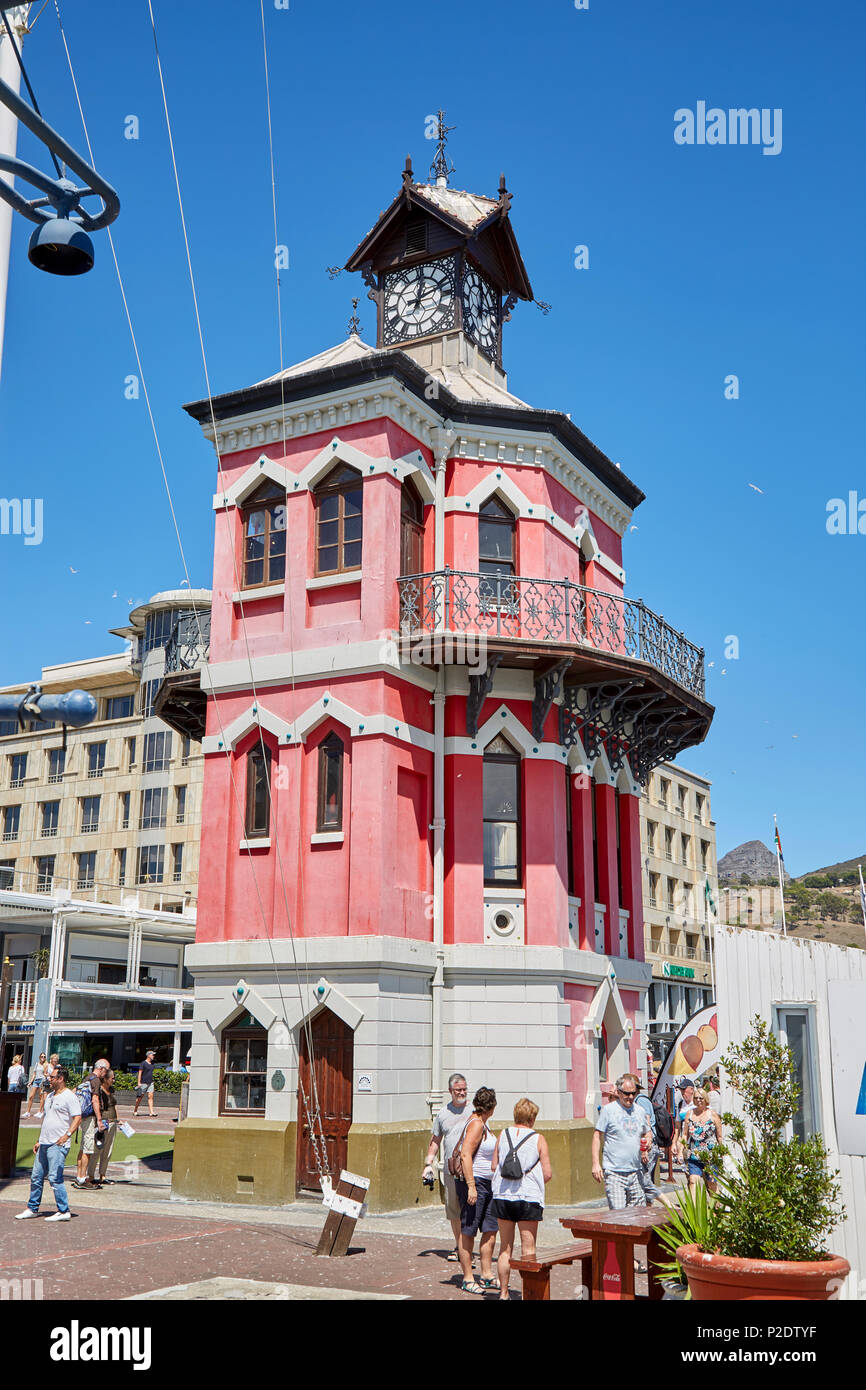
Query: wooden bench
[[536, 1273]]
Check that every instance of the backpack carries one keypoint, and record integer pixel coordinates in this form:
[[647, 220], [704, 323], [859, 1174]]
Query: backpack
[[85, 1097], [510, 1166], [664, 1125]]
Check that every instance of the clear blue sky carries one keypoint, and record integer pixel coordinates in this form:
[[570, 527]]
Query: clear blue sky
[[704, 261]]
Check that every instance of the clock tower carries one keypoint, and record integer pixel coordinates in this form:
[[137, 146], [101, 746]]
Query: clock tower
[[444, 270]]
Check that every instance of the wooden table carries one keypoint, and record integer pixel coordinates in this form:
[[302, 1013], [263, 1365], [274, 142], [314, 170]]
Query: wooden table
[[615, 1236]]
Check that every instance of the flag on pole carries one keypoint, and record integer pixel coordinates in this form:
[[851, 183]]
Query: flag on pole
[[708, 894], [779, 846], [862, 895]]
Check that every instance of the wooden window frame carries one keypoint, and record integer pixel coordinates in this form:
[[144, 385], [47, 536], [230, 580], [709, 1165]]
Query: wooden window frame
[[229, 1035], [263, 500], [413, 525], [264, 754], [515, 760], [503, 591], [328, 746], [323, 491]]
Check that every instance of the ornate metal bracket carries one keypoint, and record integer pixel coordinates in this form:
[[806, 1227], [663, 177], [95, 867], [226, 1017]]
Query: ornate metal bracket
[[479, 689], [547, 687]]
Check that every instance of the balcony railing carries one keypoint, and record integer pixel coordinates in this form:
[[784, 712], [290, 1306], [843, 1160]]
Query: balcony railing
[[22, 1005], [548, 610], [189, 643]]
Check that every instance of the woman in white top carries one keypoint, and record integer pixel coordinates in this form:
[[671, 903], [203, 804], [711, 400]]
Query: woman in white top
[[519, 1201], [16, 1076], [36, 1077], [475, 1193]]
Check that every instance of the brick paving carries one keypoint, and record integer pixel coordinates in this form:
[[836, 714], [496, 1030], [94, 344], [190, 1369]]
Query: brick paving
[[132, 1239]]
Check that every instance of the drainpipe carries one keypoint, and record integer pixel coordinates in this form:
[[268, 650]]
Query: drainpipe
[[443, 440]]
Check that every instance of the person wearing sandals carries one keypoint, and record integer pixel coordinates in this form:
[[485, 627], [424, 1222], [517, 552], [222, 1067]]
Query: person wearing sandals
[[519, 1200], [475, 1191], [702, 1131]]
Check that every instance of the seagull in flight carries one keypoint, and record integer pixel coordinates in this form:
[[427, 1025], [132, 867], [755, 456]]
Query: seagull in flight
[[114, 595], [72, 571], [757, 489], [633, 528]]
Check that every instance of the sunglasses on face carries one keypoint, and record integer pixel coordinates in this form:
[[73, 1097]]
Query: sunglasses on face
[[629, 1094]]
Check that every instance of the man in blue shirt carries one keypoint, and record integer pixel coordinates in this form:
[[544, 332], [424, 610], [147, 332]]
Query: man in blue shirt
[[622, 1127]]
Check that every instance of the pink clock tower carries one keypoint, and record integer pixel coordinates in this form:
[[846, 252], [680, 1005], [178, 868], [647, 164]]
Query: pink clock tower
[[430, 707]]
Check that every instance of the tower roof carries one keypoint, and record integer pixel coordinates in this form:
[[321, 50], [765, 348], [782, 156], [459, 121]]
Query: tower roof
[[469, 216]]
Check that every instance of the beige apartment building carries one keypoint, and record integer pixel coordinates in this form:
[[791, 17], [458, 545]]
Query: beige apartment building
[[99, 843], [678, 847]]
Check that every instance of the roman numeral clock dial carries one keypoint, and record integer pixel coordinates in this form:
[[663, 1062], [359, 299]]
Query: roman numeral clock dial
[[418, 300], [481, 312]]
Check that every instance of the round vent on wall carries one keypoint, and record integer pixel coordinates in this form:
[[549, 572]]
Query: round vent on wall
[[503, 923]]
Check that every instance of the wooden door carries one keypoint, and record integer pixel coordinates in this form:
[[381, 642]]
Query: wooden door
[[333, 1049]]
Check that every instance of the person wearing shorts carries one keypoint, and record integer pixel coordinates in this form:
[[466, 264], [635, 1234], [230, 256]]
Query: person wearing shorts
[[91, 1125], [475, 1191], [448, 1128], [702, 1131], [144, 1084], [519, 1201]]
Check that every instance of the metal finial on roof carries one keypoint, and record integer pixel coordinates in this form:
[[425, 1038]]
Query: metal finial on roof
[[407, 171], [354, 321], [441, 168]]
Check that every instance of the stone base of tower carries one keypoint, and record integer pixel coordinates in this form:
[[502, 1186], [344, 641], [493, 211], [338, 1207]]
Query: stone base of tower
[[544, 1022]]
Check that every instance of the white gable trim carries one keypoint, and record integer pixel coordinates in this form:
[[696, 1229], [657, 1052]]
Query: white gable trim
[[241, 488], [240, 726], [601, 769], [338, 451], [625, 781], [239, 998], [314, 998], [607, 992]]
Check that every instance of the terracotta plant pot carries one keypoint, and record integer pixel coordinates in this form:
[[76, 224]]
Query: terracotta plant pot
[[715, 1278]]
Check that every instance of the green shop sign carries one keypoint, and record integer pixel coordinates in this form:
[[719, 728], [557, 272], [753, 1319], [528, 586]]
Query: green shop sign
[[685, 971]]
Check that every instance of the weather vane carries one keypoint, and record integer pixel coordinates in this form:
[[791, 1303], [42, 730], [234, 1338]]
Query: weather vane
[[354, 321], [441, 168]]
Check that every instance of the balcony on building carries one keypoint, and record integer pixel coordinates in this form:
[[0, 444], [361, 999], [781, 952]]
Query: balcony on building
[[592, 641], [180, 701]]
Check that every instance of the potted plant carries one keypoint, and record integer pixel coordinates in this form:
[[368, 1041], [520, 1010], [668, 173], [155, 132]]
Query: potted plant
[[764, 1234]]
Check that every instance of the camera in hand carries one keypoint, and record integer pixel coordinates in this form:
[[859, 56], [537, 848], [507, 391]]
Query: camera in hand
[[428, 1180], [99, 1139]]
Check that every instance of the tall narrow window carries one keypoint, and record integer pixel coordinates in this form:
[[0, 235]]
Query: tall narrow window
[[795, 1031], [264, 521], [177, 863], [11, 822], [51, 817], [595, 877], [258, 811], [569, 835], [95, 759], [18, 769], [56, 764], [180, 809], [329, 812], [45, 873], [501, 797], [90, 815], [339, 522], [496, 534], [86, 876], [411, 531]]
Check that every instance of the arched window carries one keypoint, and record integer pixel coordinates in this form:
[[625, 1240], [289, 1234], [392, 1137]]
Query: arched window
[[264, 521], [258, 808], [338, 522], [329, 806], [411, 530], [502, 825], [496, 547]]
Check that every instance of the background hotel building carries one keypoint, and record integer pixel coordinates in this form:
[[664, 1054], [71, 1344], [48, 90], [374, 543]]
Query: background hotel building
[[99, 852], [678, 850]]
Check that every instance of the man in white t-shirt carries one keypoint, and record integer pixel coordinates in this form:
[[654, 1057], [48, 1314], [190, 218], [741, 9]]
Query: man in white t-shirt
[[62, 1118], [447, 1129]]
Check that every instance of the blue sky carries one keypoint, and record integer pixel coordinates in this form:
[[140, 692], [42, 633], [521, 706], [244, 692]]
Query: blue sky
[[703, 261]]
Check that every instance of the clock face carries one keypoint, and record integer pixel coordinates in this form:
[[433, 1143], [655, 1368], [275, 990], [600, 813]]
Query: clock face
[[481, 311], [418, 300]]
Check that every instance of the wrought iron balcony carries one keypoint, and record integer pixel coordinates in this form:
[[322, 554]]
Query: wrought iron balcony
[[189, 643], [514, 609]]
